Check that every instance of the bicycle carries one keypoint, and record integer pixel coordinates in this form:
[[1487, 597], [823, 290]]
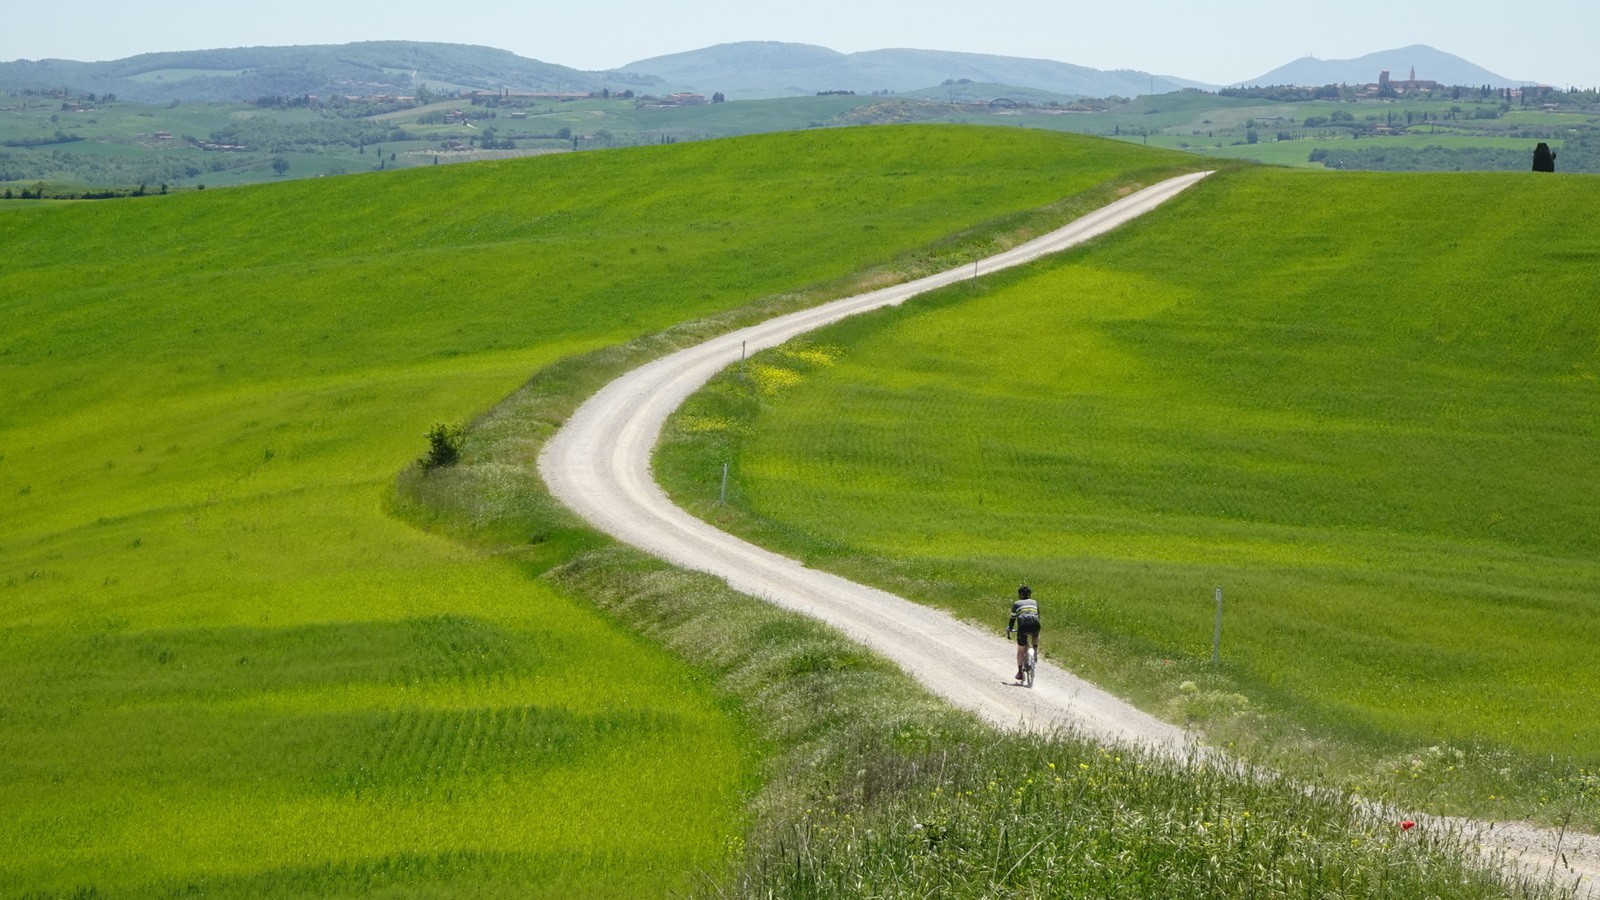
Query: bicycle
[[1030, 662]]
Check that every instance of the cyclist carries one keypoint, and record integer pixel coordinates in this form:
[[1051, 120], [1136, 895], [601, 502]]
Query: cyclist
[[1025, 622]]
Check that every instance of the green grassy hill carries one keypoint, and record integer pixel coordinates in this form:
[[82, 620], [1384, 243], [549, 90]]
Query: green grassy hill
[[226, 667], [1366, 406]]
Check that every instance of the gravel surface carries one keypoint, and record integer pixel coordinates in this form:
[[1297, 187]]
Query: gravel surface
[[599, 465]]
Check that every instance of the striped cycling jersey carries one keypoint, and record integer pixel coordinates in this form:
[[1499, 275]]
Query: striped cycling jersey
[[1023, 609]]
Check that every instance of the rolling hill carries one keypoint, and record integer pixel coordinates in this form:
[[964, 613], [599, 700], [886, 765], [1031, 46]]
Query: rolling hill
[[1430, 65], [741, 70], [748, 70], [366, 68], [237, 662], [753, 69], [226, 668]]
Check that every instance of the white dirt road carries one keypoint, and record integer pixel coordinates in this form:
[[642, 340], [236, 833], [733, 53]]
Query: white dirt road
[[599, 465]]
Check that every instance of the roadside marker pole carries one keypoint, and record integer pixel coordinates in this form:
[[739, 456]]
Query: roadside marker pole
[[1216, 633], [724, 497]]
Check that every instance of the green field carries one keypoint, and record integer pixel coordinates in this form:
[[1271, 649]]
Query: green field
[[1214, 125], [876, 788], [1297, 152], [226, 667], [1366, 406], [114, 143]]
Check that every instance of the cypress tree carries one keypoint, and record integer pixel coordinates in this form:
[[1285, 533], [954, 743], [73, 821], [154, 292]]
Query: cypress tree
[[1544, 159]]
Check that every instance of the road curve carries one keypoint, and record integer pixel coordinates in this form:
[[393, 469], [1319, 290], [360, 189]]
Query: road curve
[[599, 465]]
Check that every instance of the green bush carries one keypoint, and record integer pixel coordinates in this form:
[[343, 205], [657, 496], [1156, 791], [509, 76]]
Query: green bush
[[444, 446]]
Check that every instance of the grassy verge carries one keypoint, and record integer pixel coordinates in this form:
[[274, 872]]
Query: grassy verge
[[1390, 473], [871, 787]]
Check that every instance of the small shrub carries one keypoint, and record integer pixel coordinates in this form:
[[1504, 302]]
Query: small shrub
[[444, 446]]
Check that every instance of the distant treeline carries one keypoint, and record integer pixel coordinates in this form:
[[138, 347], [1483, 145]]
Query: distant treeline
[[1525, 97], [261, 133], [1580, 154], [106, 169], [1426, 159], [39, 192], [60, 137], [1285, 92], [343, 107]]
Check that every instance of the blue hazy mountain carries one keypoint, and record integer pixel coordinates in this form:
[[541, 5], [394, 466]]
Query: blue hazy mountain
[[1430, 65], [752, 69], [366, 68]]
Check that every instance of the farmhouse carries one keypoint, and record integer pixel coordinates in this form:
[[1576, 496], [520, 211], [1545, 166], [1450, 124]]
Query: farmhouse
[[478, 97], [676, 100]]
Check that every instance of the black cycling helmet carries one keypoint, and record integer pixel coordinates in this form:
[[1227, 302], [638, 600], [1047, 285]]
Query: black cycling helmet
[[1024, 592]]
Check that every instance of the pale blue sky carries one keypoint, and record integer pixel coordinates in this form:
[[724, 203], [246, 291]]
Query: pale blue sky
[[1554, 41]]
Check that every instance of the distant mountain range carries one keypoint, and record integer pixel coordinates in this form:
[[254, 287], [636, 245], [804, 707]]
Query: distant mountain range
[[774, 69], [743, 70], [1430, 65], [370, 67]]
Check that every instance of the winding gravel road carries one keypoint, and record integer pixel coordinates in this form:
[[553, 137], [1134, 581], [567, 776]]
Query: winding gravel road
[[599, 465]]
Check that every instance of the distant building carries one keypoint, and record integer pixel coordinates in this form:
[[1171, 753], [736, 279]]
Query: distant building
[[680, 99], [478, 97], [1386, 84]]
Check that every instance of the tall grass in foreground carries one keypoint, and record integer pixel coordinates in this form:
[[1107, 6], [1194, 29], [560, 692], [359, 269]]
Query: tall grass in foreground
[[875, 789], [1372, 420]]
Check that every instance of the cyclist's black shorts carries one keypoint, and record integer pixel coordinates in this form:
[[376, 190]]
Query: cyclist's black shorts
[[1027, 625]]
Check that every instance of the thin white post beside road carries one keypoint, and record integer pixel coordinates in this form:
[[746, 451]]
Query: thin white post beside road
[[1216, 633]]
